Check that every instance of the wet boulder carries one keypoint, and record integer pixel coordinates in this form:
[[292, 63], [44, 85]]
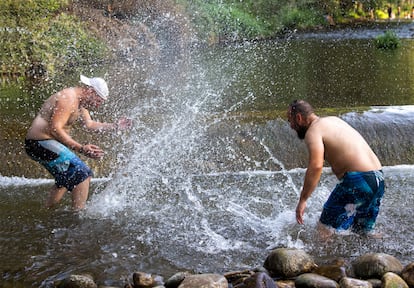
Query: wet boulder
[[334, 272], [236, 278], [145, 280], [78, 281], [392, 280], [312, 280], [347, 282], [288, 262], [258, 280], [175, 280], [205, 281], [408, 274], [376, 283], [375, 265]]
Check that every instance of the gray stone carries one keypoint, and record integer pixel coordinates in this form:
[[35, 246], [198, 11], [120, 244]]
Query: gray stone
[[289, 262], [333, 272], [312, 280], [259, 280], [375, 265], [175, 280], [204, 281], [408, 274], [376, 283], [78, 281], [347, 282]]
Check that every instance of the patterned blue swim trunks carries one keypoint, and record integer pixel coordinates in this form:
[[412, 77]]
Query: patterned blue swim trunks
[[67, 169], [355, 202]]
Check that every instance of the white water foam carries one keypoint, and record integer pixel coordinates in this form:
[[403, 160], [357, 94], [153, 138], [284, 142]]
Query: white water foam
[[15, 181], [22, 181]]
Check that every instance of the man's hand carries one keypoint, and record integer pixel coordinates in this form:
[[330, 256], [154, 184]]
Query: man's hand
[[92, 151], [300, 210]]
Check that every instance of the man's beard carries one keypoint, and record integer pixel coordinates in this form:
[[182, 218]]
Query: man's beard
[[301, 131]]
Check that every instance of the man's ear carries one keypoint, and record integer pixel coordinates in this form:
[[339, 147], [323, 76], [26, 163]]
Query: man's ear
[[298, 118]]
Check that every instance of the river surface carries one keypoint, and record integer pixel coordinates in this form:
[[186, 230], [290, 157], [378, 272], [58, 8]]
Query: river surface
[[208, 178]]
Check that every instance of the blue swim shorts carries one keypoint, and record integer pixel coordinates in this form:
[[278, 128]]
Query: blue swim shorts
[[67, 169], [355, 202]]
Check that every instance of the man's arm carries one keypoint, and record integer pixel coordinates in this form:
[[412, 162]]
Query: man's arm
[[315, 146], [122, 124], [94, 125]]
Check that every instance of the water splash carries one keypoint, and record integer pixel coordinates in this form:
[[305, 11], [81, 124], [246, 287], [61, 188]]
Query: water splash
[[187, 185]]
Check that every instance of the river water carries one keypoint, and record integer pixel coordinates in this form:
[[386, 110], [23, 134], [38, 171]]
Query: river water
[[208, 178]]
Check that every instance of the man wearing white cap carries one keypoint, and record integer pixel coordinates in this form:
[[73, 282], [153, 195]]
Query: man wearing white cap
[[48, 140]]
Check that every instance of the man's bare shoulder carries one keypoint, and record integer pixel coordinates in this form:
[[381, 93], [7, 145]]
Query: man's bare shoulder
[[331, 119], [329, 123], [67, 96], [331, 129], [67, 92]]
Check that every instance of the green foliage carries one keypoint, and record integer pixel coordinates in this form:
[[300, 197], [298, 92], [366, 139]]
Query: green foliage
[[249, 19], [24, 13], [233, 22], [388, 41], [226, 20], [301, 18], [38, 39], [237, 19]]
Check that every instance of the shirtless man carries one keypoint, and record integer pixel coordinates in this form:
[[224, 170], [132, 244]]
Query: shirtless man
[[48, 140], [355, 201]]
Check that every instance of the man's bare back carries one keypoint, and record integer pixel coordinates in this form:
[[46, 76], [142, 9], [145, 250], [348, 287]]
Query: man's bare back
[[345, 149]]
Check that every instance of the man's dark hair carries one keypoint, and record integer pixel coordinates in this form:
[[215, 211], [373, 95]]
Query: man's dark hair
[[300, 107]]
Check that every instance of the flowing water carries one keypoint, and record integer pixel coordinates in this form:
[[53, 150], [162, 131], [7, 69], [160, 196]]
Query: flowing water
[[208, 178]]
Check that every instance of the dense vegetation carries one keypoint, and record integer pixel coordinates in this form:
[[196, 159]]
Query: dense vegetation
[[40, 37], [235, 20], [246, 19]]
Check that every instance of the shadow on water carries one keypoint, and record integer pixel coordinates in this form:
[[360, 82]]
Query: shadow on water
[[208, 178]]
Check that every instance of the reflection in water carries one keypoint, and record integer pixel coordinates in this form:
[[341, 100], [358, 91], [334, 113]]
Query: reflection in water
[[200, 184]]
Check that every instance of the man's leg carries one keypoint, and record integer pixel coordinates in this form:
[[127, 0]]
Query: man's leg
[[55, 196], [80, 194]]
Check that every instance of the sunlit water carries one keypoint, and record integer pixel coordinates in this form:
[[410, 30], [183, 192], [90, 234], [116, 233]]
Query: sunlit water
[[206, 181]]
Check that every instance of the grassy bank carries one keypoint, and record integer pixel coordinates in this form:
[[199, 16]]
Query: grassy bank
[[40, 38]]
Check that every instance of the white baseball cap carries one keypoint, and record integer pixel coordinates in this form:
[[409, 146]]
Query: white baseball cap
[[98, 84]]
